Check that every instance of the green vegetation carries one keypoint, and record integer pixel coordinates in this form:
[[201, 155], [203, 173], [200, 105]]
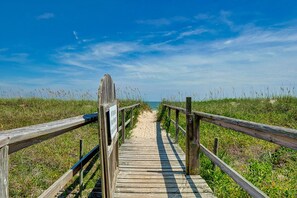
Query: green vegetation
[[270, 167], [34, 169]]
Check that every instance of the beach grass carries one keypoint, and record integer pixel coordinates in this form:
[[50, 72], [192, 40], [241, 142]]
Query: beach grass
[[34, 169], [270, 167]]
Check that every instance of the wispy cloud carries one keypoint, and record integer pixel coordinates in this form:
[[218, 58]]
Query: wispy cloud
[[75, 35], [14, 57], [197, 31], [163, 21], [46, 15]]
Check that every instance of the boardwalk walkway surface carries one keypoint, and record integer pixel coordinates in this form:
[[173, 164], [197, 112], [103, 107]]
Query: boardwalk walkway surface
[[152, 166]]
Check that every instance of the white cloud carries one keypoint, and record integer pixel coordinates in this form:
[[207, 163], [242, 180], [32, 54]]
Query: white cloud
[[46, 15], [254, 58]]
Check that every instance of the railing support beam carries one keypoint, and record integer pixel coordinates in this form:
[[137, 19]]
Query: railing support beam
[[176, 125], [123, 125], [191, 140], [4, 172]]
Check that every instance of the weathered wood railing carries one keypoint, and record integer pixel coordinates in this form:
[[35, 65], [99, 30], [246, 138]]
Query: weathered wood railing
[[279, 135], [16, 139]]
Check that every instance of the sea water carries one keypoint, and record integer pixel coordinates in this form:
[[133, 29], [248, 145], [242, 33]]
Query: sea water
[[153, 104]]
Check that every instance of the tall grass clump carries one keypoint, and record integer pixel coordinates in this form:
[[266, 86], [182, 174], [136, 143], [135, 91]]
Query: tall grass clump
[[270, 167]]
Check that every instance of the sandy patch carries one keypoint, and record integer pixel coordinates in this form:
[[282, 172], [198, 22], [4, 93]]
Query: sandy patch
[[146, 126]]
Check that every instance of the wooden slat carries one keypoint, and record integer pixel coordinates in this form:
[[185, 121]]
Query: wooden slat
[[164, 176], [152, 169], [245, 184], [164, 195], [164, 190]]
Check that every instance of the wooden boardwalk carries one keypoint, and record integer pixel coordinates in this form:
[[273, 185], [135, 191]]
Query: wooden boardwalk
[[155, 167]]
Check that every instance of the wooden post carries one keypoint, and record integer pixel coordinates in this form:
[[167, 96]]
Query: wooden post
[[108, 141], [123, 126], [191, 140], [4, 172], [215, 151], [81, 173], [169, 117], [196, 142], [176, 125], [131, 118]]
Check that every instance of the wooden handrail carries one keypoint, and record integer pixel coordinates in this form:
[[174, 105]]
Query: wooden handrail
[[26, 136], [129, 107], [183, 110], [16, 139], [279, 135], [20, 138]]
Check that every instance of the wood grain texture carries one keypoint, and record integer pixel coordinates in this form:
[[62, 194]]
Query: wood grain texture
[[155, 167], [191, 140], [26, 136], [279, 135], [108, 153], [4, 172]]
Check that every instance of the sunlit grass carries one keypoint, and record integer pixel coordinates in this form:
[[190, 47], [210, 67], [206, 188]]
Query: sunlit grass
[[268, 166], [34, 169]]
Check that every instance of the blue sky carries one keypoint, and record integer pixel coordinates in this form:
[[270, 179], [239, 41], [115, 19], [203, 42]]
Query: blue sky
[[163, 48]]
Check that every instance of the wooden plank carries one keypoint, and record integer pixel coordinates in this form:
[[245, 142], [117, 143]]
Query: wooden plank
[[165, 185], [26, 136], [245, 184], [152, 163], [153, 154], [139, 175], [164, 190], [164, 195], [4, 172], [128, 182], [152, 169], [152, 166], [151, 159]]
